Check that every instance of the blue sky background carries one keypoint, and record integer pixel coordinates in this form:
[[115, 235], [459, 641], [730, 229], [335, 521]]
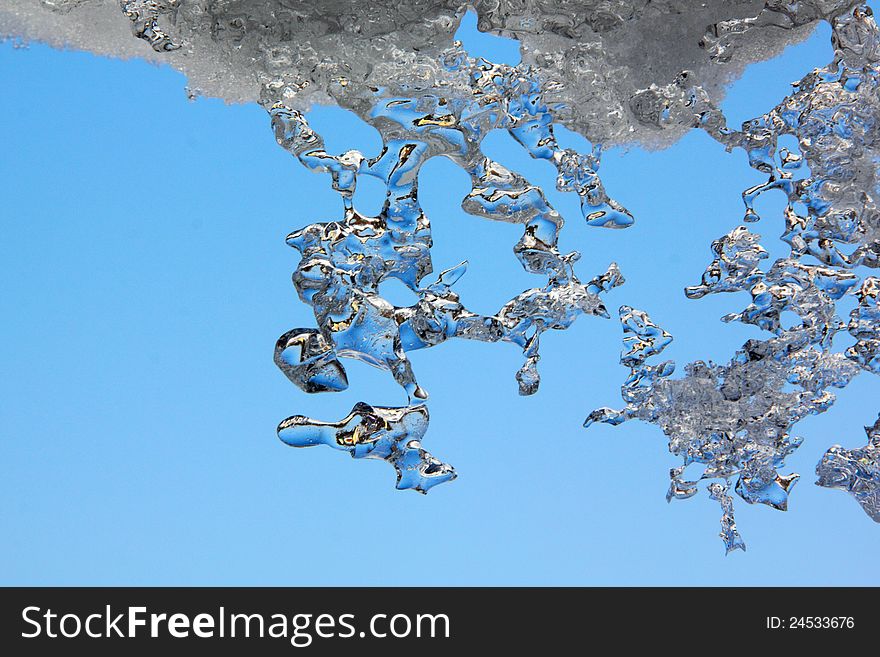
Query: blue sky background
[[146, 279]]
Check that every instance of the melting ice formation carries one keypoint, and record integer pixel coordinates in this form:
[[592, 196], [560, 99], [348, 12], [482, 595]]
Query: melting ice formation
[[735, 419], [395, 65], [343, 262]]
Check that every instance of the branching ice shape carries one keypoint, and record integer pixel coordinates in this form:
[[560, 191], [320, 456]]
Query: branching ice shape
[[616, 71], [733, 419], [736, 419], [343, 262]]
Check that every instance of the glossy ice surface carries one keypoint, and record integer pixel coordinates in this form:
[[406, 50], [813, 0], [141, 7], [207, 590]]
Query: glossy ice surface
[[618, 72], [735, 419]]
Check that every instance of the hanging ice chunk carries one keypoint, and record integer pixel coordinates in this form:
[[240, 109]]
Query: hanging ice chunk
[[729, 534], [736, 419], [344, 262], [856, 471]]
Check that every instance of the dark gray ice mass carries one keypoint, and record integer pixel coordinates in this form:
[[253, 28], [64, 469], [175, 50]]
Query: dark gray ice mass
[[617, 72]]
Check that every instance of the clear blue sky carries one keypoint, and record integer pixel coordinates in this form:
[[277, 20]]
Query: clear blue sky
[[146, 279]]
